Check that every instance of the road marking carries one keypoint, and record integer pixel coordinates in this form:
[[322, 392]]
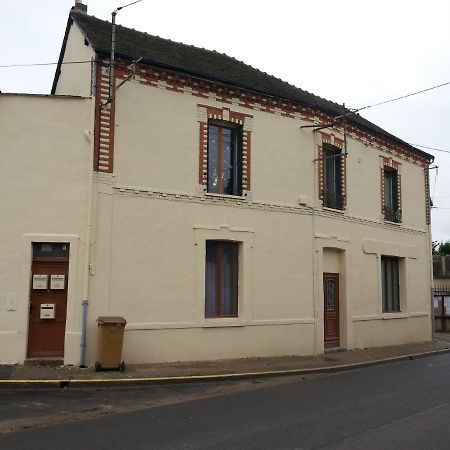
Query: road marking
[[229, 375]]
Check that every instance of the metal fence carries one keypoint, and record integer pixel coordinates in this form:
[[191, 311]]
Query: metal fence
[[441, 304]]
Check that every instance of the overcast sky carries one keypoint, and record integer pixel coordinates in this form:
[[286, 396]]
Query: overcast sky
[[357, 52]]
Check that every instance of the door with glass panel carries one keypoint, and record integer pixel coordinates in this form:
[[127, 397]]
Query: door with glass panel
[[48, 300], [331, 309]]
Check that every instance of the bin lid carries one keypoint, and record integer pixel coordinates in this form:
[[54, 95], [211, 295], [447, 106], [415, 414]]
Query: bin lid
[[111, 320]]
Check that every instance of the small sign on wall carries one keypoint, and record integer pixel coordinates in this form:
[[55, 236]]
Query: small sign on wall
[[39, 281], [57, 282], [11, 302]]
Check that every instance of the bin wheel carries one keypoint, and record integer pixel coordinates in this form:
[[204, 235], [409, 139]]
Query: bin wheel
[[97, 366], [122, 366]]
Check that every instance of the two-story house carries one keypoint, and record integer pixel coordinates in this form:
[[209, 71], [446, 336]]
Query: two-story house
[[233, 214]]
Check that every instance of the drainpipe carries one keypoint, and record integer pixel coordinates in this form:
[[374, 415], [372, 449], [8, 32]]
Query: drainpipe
[[430, 254], [88, 231], [315, 252], [112, 61], [83, 345]]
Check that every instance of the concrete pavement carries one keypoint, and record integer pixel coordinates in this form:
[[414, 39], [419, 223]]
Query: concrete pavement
[[48, 375]]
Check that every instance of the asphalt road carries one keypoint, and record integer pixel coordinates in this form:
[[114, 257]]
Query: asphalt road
[[403, 405]]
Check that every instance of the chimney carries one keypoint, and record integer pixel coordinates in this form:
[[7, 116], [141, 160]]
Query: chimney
[[80, 7]]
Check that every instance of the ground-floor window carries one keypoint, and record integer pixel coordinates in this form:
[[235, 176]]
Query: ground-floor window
[[390, 284], [221, 279]]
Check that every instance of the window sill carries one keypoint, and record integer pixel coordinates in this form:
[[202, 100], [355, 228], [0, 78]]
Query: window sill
[[224, 196], [220, 322], [339, 211], [394, 315], [399, 224], [390, 316]]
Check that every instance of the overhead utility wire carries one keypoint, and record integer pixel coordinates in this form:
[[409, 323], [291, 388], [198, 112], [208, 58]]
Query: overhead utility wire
[[403, 96], [431, 148], [356, 110], [352, 111], [43, 64]]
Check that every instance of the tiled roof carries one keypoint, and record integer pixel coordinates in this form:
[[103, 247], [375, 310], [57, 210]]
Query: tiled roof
[[210, 65]]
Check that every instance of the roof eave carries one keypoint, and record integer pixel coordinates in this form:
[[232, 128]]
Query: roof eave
[[70, 21], [61, 55], [149, 62]]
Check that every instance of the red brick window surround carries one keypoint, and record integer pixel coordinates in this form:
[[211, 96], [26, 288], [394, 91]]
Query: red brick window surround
[[332, 161], [212, 119], [391, 190], [427, 196]]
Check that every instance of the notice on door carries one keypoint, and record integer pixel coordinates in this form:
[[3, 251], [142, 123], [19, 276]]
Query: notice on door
[[57, 282]]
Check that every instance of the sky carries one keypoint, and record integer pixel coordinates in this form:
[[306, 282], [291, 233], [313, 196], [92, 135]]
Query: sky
[[349, 51]]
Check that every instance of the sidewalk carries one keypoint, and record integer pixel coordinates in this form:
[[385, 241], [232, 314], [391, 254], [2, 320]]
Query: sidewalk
[[46, 375]]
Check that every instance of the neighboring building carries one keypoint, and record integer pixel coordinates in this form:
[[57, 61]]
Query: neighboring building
[[44, 180], [441, 271], [441, 292], [218, 226]]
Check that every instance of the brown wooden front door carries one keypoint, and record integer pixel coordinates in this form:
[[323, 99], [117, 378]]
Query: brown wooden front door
[[331, 309], [46, 335]]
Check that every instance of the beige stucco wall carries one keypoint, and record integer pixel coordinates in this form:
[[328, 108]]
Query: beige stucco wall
[[75, 79], [153, 220], [44, 168]]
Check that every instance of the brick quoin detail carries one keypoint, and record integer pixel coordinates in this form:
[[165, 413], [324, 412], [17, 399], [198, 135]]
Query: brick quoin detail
[[338, 143], [104, 123], [427, 196], [206, 113], [176, 82]]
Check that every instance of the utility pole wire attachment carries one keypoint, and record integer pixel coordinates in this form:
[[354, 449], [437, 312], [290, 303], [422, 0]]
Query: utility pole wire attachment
[[132, 68], [112, 61]]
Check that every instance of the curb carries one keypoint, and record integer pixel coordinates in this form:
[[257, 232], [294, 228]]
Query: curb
[[142, 381]]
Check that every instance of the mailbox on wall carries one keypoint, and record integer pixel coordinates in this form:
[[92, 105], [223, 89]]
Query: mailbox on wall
[[57, 282], [39, 281], [47, 311]]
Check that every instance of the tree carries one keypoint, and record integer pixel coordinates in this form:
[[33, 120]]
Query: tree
[[441, 248], [434, 247]]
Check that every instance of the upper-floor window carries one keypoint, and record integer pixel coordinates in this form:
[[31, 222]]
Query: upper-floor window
[[391, 208], [333, 192], [224, 158]]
